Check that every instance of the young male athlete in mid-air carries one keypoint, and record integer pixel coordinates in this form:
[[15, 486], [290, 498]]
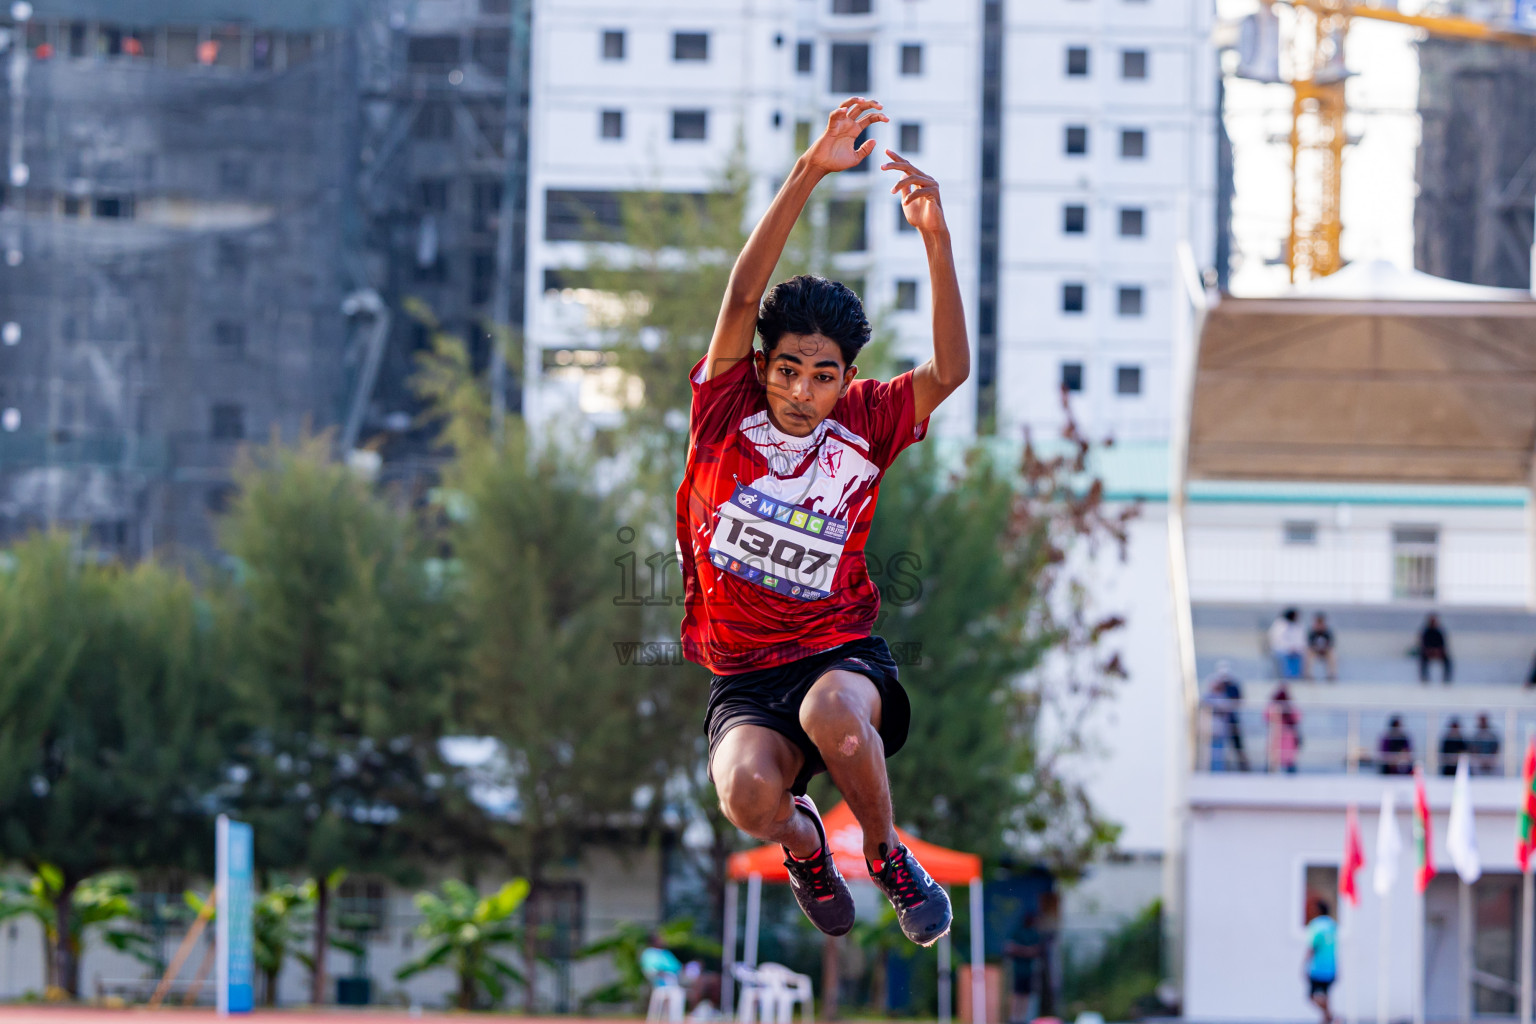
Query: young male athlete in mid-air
[[786, 454]]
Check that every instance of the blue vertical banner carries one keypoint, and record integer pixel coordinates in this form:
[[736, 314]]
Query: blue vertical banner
[[235, 877]]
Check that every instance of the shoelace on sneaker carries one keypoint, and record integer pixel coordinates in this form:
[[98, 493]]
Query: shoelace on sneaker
[[902, 886], [814, 875]]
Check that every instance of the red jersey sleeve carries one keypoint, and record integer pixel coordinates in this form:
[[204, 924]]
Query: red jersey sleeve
[[889, 409], [722, 401]]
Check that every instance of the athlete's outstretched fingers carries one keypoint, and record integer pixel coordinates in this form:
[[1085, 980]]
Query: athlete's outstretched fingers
[[918, 179], [859, 104], [931, 192]]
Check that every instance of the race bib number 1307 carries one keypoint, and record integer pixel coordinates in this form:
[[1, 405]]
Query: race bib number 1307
[[783, 548]]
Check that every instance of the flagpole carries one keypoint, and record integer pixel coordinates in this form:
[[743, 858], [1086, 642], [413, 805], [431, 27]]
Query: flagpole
[[1347, 945], [1418, 958], [1523, 947], [1381, 960], [1464, 947]]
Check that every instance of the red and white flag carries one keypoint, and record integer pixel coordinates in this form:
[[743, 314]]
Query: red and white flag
[[1423, 840], [1354, 858]]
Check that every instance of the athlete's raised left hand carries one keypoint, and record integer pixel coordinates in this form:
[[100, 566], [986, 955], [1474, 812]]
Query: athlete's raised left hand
[[919, 195]]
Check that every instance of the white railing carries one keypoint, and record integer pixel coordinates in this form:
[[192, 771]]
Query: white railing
[[1346, 738]]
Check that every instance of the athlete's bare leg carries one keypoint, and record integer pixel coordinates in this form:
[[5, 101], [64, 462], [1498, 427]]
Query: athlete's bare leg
[[841, 715], [753, 768]]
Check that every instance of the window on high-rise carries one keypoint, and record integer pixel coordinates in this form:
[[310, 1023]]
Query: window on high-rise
[[846, 225], [229, 338], [1073, 297], [1133, 222], [1077, 140], [227, 421], [433, 121], [850, 68], [690, 46], [851, 6], [909, 137], [1133, 144], [805, 53], [612, 124], [1072, 377], [906, 295], [432, 194], [1074, 219], [1130, 300], [1128, 379], [613, 44], [1077, 61], [690, 125], [902, 224], [911, 58], [1133, 64]]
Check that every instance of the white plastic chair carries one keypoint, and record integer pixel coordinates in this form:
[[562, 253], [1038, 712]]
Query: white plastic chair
[[788, 988], [751, 990], [668, 1001]]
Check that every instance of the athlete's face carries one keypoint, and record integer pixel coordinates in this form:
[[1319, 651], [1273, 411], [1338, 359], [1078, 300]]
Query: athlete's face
[[805, 376]]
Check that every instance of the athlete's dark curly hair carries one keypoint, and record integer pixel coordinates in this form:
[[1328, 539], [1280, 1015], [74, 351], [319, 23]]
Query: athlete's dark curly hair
[[813, 305]]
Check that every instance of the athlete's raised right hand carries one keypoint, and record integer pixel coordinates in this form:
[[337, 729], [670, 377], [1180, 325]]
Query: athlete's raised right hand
[[835, 150]]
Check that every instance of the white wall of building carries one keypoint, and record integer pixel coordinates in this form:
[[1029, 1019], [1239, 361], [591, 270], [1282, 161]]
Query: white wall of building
[[1127, 767], [1238, 552], [1249, 842]]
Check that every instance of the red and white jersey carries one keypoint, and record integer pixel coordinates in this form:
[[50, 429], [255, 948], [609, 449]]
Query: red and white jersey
[[771, 528]]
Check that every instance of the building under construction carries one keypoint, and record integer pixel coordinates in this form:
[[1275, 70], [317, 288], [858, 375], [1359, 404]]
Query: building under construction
[[212, 209], [1477, 162]]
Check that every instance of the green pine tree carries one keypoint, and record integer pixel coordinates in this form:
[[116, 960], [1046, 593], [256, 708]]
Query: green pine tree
[[345, 647], [112, 709]]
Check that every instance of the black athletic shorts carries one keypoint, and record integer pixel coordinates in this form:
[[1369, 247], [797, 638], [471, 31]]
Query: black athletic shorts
[[1318, 987], [771, 697]]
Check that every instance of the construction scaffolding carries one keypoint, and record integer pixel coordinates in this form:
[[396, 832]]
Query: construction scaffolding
[[214, 214], [1477, 162]]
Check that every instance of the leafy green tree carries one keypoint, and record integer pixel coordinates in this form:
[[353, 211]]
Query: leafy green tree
[[345, 647], [278, 920], [589, 734], [112, 715], [466, 930]]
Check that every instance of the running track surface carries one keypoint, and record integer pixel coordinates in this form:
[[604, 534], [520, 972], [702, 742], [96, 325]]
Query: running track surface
[[203, 1015]]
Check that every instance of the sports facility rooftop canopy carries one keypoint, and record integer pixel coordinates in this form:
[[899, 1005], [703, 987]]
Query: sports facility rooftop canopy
[[1371, 374]]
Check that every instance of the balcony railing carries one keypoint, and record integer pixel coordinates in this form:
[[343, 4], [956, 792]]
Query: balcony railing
[[1346, 739]]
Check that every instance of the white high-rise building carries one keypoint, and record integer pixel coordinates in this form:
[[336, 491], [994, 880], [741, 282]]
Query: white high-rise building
[[1107, 163], [663, 95]]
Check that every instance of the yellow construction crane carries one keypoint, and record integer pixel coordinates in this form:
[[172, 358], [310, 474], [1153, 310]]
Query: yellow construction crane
[[1317, 116]]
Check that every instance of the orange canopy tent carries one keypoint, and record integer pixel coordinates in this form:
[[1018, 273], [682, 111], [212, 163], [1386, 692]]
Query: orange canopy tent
[[846, 838], [948, 867]]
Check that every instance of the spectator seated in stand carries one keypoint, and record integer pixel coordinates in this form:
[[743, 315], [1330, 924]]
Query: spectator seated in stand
[[1287, 644], [1395, 749], [1484, 748], [1320, 648], [1452, 745], [1433, 647]]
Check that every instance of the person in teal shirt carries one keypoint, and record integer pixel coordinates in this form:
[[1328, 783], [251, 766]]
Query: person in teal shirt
[[1322, 958]]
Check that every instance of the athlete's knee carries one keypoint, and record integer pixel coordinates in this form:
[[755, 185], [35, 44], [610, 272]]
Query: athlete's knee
[[838, 717], [749, 796]]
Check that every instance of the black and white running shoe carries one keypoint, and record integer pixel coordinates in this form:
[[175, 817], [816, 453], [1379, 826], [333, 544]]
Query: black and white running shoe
[[819, 887], [922, 905]]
